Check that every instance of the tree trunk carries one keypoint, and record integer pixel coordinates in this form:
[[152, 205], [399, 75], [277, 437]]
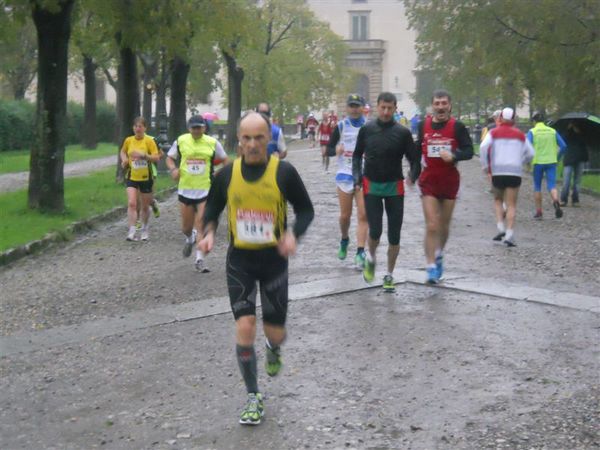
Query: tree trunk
[[129, 98], [46, 178], [150, 66], [235, 76], [90, 132], [161, 88], [116, 86], [177, 120], [19, 93]]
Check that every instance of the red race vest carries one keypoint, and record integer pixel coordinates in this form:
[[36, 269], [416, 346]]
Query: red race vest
[[436, 140]]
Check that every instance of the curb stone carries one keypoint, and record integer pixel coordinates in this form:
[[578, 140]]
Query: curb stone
[[14, 254]]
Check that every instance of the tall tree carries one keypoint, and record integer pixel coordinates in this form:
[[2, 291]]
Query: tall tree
[[46, 183], [514, 46], [150, 71], [89, 138], [93, 50], [18, 59], [180, 69]]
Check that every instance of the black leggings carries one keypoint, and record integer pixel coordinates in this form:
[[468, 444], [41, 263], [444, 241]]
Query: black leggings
[[394, 209]]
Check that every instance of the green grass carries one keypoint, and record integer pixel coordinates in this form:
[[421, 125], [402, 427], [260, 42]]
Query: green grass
[[84, 197], [18, 160], [591, 182]]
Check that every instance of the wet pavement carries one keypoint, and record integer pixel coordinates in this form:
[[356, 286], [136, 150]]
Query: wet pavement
[[108, 344]]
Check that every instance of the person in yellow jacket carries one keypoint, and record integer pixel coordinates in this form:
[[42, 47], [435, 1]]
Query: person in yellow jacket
[[549, 148], [138, 153], [198, 154], [256, 189]]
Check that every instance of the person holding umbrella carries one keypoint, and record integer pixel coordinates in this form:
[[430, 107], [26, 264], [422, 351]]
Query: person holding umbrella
[[575, 158]]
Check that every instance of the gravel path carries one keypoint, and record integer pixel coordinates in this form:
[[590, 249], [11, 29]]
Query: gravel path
[[100, 274], [425, 368], [14, 181]]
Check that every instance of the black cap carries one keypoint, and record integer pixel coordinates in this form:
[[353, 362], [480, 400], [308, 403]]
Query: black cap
[[538, 116], [355, 99], [196, 121]]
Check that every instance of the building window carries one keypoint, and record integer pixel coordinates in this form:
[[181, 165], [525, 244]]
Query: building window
[[359, 22]]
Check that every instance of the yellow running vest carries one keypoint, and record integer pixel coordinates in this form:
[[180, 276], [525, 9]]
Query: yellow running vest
[[139, 169], [195, 168], [544, 143], [256, 209]]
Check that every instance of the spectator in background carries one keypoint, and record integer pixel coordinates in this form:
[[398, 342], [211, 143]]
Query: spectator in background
[[492, 123], [276, 145], [402, 119], [575, 158], [414, 124]]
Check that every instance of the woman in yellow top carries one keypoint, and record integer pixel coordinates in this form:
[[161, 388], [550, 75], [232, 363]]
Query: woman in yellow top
[[137, 154]]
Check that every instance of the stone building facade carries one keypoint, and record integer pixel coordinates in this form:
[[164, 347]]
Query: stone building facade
[[381, 46]]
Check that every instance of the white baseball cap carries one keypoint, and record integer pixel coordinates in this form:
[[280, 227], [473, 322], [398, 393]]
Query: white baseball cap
[[508, 114]]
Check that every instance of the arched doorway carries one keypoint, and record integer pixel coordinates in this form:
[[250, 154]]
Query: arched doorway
[[362, 87]]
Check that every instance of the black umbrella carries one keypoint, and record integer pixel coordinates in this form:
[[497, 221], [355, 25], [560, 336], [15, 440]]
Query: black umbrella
[[588, 124]]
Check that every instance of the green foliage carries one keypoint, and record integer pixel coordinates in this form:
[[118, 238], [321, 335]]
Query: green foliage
[[490, 52], [298, 65], [289, 58], [18, 58], [85, 197], [18, 160], [17, 119]]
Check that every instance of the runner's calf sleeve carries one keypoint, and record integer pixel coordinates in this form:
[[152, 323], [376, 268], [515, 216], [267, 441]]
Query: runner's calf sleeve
[[246, 358]]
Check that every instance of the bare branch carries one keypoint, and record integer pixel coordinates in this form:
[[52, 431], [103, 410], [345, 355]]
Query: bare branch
[[109, 78], [281, 36], [592, 36]]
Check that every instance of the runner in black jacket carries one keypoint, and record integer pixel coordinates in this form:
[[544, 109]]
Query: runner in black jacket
[[384, 143]]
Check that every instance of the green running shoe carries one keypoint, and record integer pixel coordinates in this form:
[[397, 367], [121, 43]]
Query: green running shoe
[[388, 284], [273, 362], [343, 251], [369, 271], [155, 209], [253, 410], [359, 260]]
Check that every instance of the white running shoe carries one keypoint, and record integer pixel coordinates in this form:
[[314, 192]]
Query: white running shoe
[[188, 246], [131, 235], [145, 235], [200, 266]]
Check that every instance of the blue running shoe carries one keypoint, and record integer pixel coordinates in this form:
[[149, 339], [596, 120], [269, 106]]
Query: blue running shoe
[[432, 276], [439, 266]]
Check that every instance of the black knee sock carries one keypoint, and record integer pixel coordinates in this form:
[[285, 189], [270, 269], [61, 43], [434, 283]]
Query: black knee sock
[[246, 357]]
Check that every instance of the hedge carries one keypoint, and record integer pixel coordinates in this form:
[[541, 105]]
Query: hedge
[[17, 119]]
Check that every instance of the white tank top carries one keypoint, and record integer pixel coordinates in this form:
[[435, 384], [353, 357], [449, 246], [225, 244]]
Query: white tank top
[[348, 135]]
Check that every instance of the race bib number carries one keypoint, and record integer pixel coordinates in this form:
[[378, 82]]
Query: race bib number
[[255, 227], [347, 156], [196, 166], [435, 147], [324, 137], [139, 164]]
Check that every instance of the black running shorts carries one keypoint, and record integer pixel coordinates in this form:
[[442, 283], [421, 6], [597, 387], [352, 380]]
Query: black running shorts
[[145, 187], [191, 201], [505, 181], [267, 267]]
